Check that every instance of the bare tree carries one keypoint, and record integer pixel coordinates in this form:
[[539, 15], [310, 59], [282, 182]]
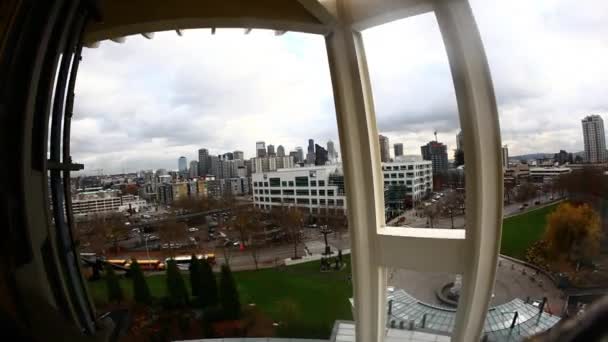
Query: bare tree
[[291, 219], [431, 211], [172, 232]]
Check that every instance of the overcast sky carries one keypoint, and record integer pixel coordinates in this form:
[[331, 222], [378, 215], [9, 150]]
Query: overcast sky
[[144, 103]]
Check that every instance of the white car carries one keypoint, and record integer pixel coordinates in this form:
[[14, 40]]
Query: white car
[[193, 229]]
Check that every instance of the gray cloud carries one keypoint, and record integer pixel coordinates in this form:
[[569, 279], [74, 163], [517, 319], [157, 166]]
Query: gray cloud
[[144, 103]]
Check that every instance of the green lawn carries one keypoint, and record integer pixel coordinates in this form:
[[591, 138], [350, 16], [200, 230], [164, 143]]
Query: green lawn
[[320, 298], [521, 231]]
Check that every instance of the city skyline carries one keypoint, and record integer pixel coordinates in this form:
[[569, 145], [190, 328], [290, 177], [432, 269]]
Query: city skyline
[[189, 99]]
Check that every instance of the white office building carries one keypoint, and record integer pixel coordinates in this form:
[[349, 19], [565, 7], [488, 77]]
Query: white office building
[[415, 175], [547, 174], [314, 187]]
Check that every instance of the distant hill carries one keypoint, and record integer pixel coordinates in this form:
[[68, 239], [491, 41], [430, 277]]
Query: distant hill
[[541, 155]]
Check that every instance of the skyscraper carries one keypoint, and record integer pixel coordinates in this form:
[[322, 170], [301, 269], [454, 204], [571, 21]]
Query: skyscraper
[[398, 149], [271, 150], [310, 156], [505, 157], [228, 156], [331, 151], [239, 155], [594, 139], [460, 141], [280, 151], [385, 153], [214, 167], [300, 154], [260, 148], [182, 165], [438, 154], [203, 162], [193, 169], [320, 155]]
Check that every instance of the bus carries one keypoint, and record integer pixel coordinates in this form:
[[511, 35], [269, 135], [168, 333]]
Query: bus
[[183, 261], [145, 264]]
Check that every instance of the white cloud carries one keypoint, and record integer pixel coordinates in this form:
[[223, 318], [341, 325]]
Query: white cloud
[[144, 103]]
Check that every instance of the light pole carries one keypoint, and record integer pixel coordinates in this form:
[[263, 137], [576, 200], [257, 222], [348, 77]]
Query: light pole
[[146, 242]]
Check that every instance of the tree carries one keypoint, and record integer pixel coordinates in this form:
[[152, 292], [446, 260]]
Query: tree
[[195, 275], [525, 192], [458, 157], [229, 296], [293, 220], [176, 288], [141, 291], [207, 294], [573, 233], [113, 285], [172, 232], [431, 211], [509, 190], [451, 205]]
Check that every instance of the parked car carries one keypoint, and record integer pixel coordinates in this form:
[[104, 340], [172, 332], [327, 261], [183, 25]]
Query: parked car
[[522, 207], [536, 202], [193, 229]]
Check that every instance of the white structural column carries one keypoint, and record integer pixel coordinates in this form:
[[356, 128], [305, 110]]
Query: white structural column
[[479, 119], [472, 253], [361, 163]]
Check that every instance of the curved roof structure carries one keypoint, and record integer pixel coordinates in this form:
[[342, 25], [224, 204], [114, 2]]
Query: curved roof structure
[[497, 324]]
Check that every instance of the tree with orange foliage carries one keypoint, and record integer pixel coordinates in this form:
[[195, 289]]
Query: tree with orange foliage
[[573, 233]]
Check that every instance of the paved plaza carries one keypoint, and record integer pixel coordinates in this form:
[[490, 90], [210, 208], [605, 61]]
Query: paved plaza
[[511, 283]]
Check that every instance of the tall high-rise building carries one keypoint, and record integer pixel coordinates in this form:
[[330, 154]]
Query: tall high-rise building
[[299, 154], [280, 151], [320, 155], [505, 157], [385, 153], [214, 167], [260, 148], [438, 154], [193, 169], [228, 156], [398, 149], [203, 162], [310, 156], [331, 151], [271, 150], [238, 155], [460, 141], [294, 155], [182, 165], [594, 139]]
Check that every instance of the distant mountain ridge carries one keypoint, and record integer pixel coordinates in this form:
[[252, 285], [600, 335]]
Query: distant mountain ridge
[[541, 155]]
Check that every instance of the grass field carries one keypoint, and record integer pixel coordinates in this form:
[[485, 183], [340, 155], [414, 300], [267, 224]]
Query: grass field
[[521, 231], [320, 298]]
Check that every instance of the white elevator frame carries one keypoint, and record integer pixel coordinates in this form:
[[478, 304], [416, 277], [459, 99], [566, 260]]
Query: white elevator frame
[[375, 246]]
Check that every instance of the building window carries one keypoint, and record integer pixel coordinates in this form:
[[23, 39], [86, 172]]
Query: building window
[[284, 183], [302, 201], [340, 202], [393, 175], [313, 183], [410, 167], [288, 192], [401, 175], [330, 202], [265, 183], [266, 191], [255, 183], [275, 199], [302, 181], [275, 192], [313, 192], [321, 183], [302, 192], [386, 175], [314, 201], [403, 167], [321, 192], [290, 183], [275, 182], [322, 201], [330, 192]]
